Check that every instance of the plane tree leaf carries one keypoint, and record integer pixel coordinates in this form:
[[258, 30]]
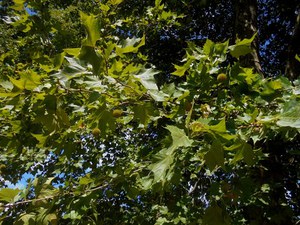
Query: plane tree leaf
[[9, 195], [242, 47], [92, 26], [290, 117]]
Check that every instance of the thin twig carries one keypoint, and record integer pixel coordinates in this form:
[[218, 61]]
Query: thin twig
[[11, 205]]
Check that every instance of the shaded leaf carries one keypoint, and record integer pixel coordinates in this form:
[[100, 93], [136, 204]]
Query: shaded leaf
[[215, 156], [215, 215]]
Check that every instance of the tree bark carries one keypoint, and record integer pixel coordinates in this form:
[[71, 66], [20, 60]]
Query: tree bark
[[292, 70], [246, 27]]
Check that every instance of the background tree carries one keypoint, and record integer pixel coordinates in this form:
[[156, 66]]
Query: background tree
[[131, 121]]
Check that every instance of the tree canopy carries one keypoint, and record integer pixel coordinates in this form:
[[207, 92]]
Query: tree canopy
[[150, 112]]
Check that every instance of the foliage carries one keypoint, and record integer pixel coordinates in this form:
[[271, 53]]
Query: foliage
[[107, 145]]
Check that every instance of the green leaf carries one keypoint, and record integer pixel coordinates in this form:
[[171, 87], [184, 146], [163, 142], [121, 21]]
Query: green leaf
[[72, 51], [6, 85], [86, 180], [89, 55], [41, 139], [142, 113], [158, 96], [290, 116], [106, 122], [50, 219], [161, 221], [157, 3], [208, 47], [91, 24], [215, 156], [248, 154], [163, 170], [12, 94], [146, 77], [54, 120], [215, 215], [18, 5], [220, 127], [180, 70], [26, 219], [116, 2], [130, 45], [74, 69], [58, 60], [9, 195], [241, 47], [29, 80], [179, 137], [265, 188], [245, 152], [146, 183], [219, 130], [73, 215]]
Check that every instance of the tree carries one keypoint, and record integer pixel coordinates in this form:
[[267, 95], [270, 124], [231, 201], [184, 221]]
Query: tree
[[112, 139], [292, 67], [246, 27]]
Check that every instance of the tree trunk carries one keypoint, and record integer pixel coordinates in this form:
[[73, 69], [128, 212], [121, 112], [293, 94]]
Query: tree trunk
[[292, 70], [246, 27]]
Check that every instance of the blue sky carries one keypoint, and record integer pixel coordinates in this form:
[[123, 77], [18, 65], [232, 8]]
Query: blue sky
[[22, 183]]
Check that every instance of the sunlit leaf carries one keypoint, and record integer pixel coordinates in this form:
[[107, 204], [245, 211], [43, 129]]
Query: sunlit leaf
[[146, 77], [290, 116], [92, 25], [130, 45], [116, 2], [8, 194], [18, 5], [29, 80], [241, 47]]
